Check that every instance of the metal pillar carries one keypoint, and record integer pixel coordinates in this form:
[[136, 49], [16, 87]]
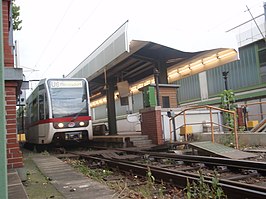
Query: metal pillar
[[156, 78], [3, 161], [163, 73], [112, 127]]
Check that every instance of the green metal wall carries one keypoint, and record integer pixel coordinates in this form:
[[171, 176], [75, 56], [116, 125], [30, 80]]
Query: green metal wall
[[189, 88], [242, 73]]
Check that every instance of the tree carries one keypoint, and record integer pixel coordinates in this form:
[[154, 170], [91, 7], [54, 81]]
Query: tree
[[15, 16]]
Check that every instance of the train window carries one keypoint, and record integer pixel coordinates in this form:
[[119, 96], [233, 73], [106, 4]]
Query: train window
[[41, 106], [29, 113], [46, 107], [34, 111], [68, 99]]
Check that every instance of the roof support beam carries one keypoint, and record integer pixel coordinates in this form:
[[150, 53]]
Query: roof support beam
[[112, 127], [163, 72]]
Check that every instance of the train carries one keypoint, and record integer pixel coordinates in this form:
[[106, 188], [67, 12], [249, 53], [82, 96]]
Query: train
[[58, 113]]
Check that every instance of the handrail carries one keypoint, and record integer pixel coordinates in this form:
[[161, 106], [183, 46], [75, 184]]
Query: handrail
[[211, 122], [254, 103], [247, 115]]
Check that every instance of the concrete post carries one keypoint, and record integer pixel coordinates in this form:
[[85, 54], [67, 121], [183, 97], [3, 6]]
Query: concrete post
[[3, 161]]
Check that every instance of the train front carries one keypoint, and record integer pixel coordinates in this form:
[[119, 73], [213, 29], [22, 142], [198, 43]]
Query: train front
[[69, 100]]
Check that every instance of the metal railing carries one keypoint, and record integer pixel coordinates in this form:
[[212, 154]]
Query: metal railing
[[183, 112], [247, 115]]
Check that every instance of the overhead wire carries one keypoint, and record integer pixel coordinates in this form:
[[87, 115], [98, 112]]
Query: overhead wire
[[253, 6], [53, 34], [72, 36]]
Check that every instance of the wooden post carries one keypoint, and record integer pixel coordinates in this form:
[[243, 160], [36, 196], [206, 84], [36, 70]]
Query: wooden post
[[171, 138], [235, 130], [185, 126], [211, 125]]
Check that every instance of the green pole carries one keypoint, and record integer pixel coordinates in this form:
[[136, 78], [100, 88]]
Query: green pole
[[3, 161]]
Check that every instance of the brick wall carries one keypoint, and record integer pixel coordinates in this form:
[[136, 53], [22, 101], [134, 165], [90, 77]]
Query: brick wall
[[14, 155], [8, 50], [151, 124]]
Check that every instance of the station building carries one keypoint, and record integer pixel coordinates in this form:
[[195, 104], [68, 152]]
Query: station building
[[123, 73]]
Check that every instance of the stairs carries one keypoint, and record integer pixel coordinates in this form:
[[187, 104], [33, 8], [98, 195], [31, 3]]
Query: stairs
[[260, 127], [141, 141], [138, 140]]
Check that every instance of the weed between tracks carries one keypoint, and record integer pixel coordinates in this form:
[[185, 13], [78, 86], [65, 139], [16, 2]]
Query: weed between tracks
[[128, 185], [203, 190]]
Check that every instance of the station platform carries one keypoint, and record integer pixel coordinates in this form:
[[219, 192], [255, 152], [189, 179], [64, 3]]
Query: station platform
[[15, 186], [69, 182], [123, 139]]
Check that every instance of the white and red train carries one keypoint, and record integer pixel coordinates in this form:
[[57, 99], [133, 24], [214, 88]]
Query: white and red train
[[58, 112]]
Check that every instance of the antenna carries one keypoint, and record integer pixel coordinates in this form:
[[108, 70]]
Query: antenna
[[256, 23]]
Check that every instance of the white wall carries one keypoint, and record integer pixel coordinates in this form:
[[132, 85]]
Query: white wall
[[192, 117]]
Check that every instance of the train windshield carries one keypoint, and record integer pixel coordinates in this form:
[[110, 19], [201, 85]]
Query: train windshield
[[68, 98]]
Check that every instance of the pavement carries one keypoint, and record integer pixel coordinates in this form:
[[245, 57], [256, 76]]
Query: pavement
[[45, 176]]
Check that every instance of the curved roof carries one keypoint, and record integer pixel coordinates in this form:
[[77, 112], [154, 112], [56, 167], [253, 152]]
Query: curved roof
[[117, 60]]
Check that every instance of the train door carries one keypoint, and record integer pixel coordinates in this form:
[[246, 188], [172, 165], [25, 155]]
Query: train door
[[43, 113]]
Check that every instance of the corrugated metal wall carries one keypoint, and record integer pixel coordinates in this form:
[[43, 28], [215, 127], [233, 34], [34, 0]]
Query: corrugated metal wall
[[242, 73], [189, 88]]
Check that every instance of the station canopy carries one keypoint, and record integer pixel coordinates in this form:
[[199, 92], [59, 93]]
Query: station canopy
[[119, 60]]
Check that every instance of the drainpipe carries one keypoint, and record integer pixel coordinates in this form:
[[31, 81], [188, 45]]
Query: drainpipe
[[3, 161]]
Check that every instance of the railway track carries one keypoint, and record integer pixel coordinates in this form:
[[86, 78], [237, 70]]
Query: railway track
[[183, 167]]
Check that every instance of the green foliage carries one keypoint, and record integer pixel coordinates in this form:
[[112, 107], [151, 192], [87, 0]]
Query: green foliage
[[15, 16], [161, 190], [150, 178], [45, 153], [202, 190], [228, 140], [148, 189], [227, 102]]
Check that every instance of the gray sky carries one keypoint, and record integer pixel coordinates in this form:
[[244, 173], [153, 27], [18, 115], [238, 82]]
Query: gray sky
[[57, 35]]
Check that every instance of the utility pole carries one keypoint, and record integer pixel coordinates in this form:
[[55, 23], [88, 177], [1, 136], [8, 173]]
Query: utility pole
[[256, 22], [225, 73]]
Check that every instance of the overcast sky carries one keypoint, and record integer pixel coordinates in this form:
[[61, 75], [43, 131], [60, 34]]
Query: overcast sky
[[57, 35]]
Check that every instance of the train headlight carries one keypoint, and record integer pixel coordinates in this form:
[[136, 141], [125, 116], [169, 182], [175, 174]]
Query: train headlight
[[60, 125], [81, 124]]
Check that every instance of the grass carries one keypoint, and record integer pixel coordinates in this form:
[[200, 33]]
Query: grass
[[37, 185], [128, 185]]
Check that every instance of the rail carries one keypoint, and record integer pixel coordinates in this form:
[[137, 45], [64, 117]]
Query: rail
[[247, 115], [231, 188], [183, 112]]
